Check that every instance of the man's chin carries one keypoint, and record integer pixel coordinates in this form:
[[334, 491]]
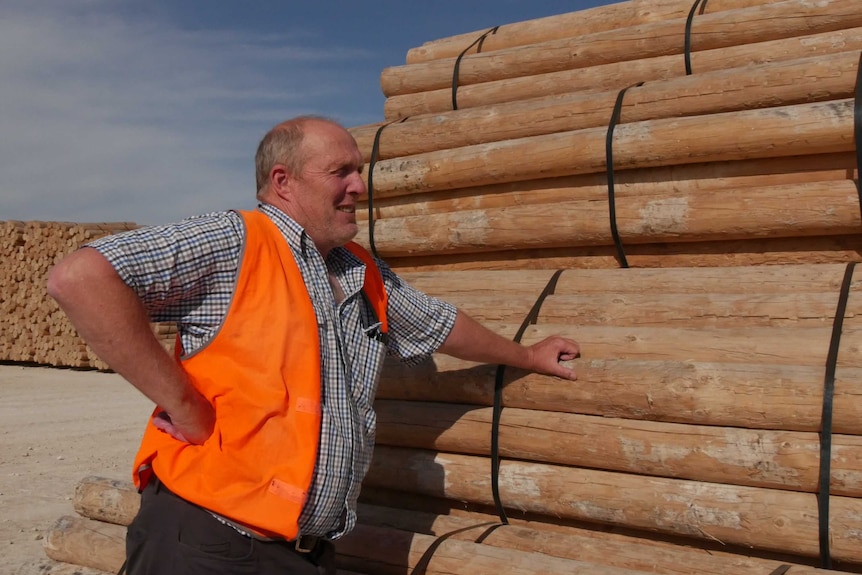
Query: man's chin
[[350, 232]]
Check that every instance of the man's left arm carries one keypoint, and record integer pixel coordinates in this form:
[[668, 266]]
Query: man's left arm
[[470, 340]]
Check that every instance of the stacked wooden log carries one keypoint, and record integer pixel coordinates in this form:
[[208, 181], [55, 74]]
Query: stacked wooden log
[[32, 326], [746, 160]]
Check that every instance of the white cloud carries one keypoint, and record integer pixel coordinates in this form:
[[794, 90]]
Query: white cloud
[[109, 116]]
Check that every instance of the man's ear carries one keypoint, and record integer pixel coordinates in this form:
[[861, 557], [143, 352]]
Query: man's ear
[[279, 180]]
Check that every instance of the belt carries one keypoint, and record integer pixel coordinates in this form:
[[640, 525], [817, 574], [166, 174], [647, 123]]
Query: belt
[[306, 543], [302, 544]]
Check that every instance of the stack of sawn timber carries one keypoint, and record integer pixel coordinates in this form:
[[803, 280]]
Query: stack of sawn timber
[[690, 443], [33, 329], [747, 160]]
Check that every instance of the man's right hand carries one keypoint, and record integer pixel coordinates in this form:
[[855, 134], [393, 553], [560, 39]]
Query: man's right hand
[[193, 424]]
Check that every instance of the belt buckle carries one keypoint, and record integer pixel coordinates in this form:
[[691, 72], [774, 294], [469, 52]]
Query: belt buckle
[[305, 543]]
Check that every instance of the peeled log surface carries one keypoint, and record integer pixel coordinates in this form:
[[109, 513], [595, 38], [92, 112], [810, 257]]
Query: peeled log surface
[[789, 279], [824, 77], [108, 500], [755, 396], [757, 458], [87, 543], [679, 310], [391, 552], [768, 519], [611, 549], [718, 254], [807, 209], [719, 30], [773, 132], [705, 311], [618, 75], [572, 24], [636, 183], [799, 346]]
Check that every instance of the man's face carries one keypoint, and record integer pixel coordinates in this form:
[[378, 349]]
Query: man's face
[[324, 192]]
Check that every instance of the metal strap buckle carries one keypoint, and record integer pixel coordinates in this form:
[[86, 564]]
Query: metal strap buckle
[[305, 543]]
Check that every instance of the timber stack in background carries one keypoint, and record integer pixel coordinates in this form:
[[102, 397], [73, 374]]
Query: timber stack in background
[[685, 205], [33, 329]]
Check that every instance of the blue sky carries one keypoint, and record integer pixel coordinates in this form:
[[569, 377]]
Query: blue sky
[[150, 111]]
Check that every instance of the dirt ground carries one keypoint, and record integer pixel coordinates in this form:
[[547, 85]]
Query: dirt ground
[[57, 426]]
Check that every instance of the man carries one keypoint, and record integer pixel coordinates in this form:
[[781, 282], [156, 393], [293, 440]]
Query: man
[[264, 425]]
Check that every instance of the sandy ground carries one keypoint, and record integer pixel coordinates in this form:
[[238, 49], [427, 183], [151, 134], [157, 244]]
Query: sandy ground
[[57, 426]]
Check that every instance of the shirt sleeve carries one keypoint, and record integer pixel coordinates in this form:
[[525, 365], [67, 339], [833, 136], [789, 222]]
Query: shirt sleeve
[[418, 323], [181, 272]]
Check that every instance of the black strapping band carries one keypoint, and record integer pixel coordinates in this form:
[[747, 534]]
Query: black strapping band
[[780, 570], [609, 159], [688, 24], [826, 418], [498, 397], [478, 41], [857, 129], [375, 152]]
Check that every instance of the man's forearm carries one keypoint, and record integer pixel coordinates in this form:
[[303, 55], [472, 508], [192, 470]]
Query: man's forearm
[[472, 341]]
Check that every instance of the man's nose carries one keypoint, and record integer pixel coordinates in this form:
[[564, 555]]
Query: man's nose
[[356, 185]]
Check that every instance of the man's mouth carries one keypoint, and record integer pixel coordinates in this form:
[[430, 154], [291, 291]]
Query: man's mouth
[[347, 209]]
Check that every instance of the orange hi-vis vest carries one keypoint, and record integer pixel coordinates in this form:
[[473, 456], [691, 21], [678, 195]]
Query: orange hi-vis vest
[[261, 373]]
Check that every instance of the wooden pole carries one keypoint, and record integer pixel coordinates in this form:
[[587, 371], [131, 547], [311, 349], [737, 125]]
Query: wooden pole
[[619, 75], [665, 180], [768, 519], [750, 395], [612, 549], [822, 77], [389, 552], [752, 280], [754, 252], [808, 209], [771, 21], [570, 25], [104, 499], [88, 543], [736, 456], [773, 132]]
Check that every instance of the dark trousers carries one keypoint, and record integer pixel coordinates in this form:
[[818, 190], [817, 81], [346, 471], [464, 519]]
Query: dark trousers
[[171, 536]]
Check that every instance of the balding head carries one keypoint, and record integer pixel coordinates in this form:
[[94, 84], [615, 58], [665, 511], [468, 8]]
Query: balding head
[[283, 145]]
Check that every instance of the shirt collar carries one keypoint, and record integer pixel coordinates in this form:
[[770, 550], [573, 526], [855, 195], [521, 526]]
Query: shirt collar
[[349, 269], [294, 233]]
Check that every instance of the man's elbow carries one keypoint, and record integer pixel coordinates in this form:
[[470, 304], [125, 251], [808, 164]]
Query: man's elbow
[[70, 274]]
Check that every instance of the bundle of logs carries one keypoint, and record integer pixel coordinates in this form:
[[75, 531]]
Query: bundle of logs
[[691, 443], [33, 329], [514, 160]]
